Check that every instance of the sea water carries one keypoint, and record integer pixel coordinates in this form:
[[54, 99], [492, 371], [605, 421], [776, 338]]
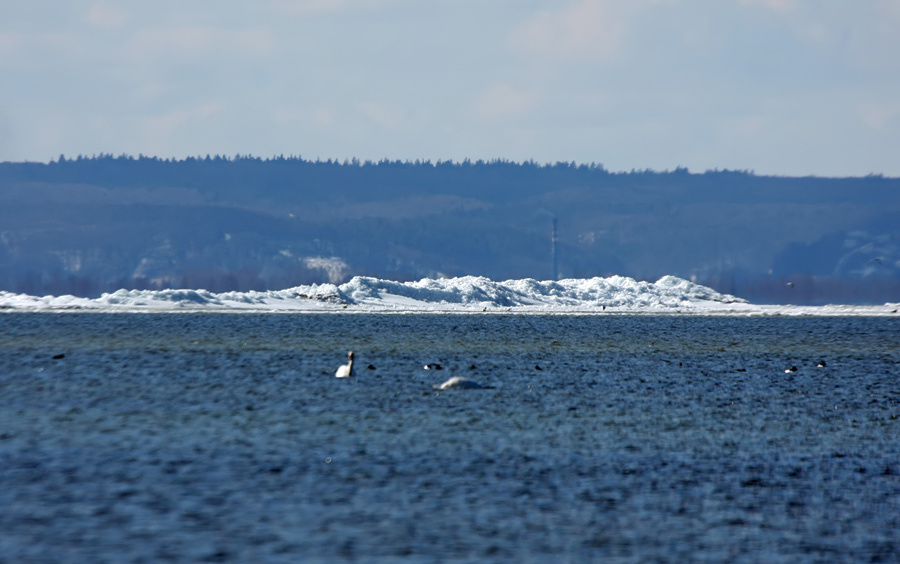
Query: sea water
[[622, 438]]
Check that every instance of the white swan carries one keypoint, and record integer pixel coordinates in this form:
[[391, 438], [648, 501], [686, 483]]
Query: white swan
[[460, 383], [346, 370]]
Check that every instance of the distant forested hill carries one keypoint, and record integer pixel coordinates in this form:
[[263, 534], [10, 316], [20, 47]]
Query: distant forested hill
[[88, 225]]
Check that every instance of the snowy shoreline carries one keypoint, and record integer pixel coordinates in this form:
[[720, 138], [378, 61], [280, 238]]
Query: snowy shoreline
[[464, 295]]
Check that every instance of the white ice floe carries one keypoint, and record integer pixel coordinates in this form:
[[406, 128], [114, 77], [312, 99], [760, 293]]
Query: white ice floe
[[460, 383], [467, 294]]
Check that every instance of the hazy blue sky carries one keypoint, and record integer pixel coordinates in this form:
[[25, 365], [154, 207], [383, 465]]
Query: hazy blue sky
[[777, 86]]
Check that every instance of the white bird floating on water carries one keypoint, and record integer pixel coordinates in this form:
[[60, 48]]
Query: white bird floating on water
[[346, 370], [460, 383]]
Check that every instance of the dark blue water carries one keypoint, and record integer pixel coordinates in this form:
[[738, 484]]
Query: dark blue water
[[225, 437]]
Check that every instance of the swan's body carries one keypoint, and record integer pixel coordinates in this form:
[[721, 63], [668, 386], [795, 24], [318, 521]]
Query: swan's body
[[460, 383], [346, 370]]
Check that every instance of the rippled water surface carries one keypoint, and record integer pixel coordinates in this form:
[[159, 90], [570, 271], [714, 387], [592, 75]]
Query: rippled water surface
[[225, 437]]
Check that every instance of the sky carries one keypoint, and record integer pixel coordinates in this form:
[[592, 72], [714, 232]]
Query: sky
[[781, 87]]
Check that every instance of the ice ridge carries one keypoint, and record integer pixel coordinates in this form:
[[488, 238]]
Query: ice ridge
[[428, 293]]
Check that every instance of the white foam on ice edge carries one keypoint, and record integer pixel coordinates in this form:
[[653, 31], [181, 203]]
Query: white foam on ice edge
[[467, 294]]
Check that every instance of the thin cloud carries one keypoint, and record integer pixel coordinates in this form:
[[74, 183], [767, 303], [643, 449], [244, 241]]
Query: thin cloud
[[502, 101], [106, 16], [385, 116], [880, 116], [582, 30], [889, 8], [776, 5], [321, 7], [161, 129], [547, 79], [174, 43], [20, 49]]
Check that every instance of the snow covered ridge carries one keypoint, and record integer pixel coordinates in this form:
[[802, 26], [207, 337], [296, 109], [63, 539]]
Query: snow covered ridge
[[615, 292], [465, 294], [373, 293]]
